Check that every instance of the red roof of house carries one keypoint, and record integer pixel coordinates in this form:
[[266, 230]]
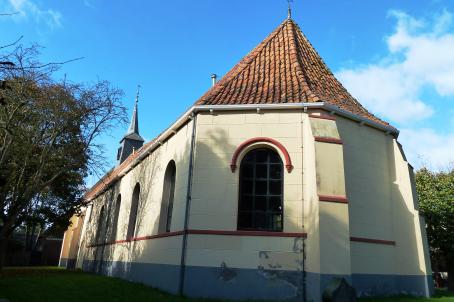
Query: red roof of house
[[283, 68]]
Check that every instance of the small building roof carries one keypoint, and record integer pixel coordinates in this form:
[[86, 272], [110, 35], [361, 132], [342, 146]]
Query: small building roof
[[283, 68]]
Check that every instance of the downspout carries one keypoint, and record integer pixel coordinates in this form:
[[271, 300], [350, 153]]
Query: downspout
[[188, 206], [303, 285]]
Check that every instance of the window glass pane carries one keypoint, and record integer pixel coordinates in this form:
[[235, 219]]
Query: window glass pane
[[260, 187], [246, 187], [249, 158], [246, 203], [245, 220], [275, 204], [247, 171], [260, 203], [276, 221], [275, 187], [274, 158], [276, 171], [260, 220], [261, 156], [261, 171]]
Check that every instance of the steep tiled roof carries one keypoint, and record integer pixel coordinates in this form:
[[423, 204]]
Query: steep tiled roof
[[284, 68]]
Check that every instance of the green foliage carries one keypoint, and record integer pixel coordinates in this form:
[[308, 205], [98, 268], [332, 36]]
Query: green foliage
[[48, 133], [436, 203]]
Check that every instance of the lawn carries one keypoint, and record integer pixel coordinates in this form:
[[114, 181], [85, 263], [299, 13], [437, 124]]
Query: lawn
[[55, 284]]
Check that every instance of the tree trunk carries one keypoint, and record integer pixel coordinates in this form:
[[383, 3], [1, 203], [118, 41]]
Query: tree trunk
[[450, 269]]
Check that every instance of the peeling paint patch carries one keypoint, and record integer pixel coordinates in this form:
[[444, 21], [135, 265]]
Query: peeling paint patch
[[284, 269], [227, 274]]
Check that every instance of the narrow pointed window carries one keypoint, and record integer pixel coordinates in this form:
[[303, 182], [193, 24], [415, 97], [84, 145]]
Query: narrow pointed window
[[99, 232], [168, 193], [133, 213], [260, 205], [116, 217]]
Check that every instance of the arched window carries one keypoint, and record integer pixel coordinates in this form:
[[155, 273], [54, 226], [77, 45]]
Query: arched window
[[168, 192], [115, 217], [261, 191], [133, 212], [100, 229]]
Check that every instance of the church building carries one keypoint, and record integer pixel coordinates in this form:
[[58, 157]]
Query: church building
[[273, 184]]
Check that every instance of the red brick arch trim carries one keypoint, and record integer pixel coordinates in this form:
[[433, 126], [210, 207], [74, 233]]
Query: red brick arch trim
[[278, 145]]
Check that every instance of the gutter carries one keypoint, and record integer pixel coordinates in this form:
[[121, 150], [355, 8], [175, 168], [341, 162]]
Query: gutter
[[193, 110], [211, 108]]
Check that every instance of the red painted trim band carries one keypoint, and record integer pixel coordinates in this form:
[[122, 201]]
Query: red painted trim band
[[163, 235], [288, 161], [206, 232], [370, 240], [323, 117], [247, 233], [333, 198], [330, 140]]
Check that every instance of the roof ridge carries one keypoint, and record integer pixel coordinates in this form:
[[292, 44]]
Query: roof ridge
[[300, 64], [243, 64]]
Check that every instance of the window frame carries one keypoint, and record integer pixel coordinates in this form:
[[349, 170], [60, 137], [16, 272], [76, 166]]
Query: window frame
[[168, 197], [100, 225], [117, 210], [268, 213], [132, 227]]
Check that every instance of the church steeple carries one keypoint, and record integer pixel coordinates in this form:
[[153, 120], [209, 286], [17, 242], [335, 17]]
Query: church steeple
[[134, 126], [132, 140]]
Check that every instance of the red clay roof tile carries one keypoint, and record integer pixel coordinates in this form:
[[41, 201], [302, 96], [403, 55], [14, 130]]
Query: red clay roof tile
[[283, 68]]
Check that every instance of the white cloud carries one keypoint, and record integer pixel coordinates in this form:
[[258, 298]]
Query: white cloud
[[427, 147], [27, 10], [419, 56]]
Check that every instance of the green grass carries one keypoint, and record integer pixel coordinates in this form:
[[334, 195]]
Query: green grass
[[440, 296], [55, 284]]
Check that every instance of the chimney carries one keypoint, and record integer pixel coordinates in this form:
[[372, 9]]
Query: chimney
[[214, 79]]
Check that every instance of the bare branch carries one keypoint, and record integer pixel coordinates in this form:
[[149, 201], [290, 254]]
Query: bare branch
[[9, 14], [12, 44]]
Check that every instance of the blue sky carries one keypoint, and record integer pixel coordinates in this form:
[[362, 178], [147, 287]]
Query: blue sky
[[396, 57]]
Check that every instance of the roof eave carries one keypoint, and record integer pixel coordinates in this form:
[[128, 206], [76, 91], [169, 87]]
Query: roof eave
[[188, 115]]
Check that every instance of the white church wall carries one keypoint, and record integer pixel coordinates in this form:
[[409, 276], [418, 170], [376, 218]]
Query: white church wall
[[221, 259], [215, 187], [382, 208], [149, 174]]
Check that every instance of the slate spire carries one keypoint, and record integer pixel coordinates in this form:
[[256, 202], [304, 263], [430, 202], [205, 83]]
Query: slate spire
[[134, 126], [132, 140]]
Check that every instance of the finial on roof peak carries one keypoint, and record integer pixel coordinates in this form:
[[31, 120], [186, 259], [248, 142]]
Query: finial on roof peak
[[137, 95], [289, 10]]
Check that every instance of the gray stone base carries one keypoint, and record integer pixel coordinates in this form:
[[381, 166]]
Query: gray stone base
[[257, 284]]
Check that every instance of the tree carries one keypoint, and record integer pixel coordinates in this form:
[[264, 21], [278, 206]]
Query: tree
[[436, 203], [48, 134]]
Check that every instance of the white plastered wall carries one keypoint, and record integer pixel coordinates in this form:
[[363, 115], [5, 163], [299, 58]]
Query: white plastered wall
[[149, 174], [215, 189], [381, 204]]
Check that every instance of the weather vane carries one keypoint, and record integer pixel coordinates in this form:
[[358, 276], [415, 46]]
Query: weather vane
[[289, 12], [137, 95]]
